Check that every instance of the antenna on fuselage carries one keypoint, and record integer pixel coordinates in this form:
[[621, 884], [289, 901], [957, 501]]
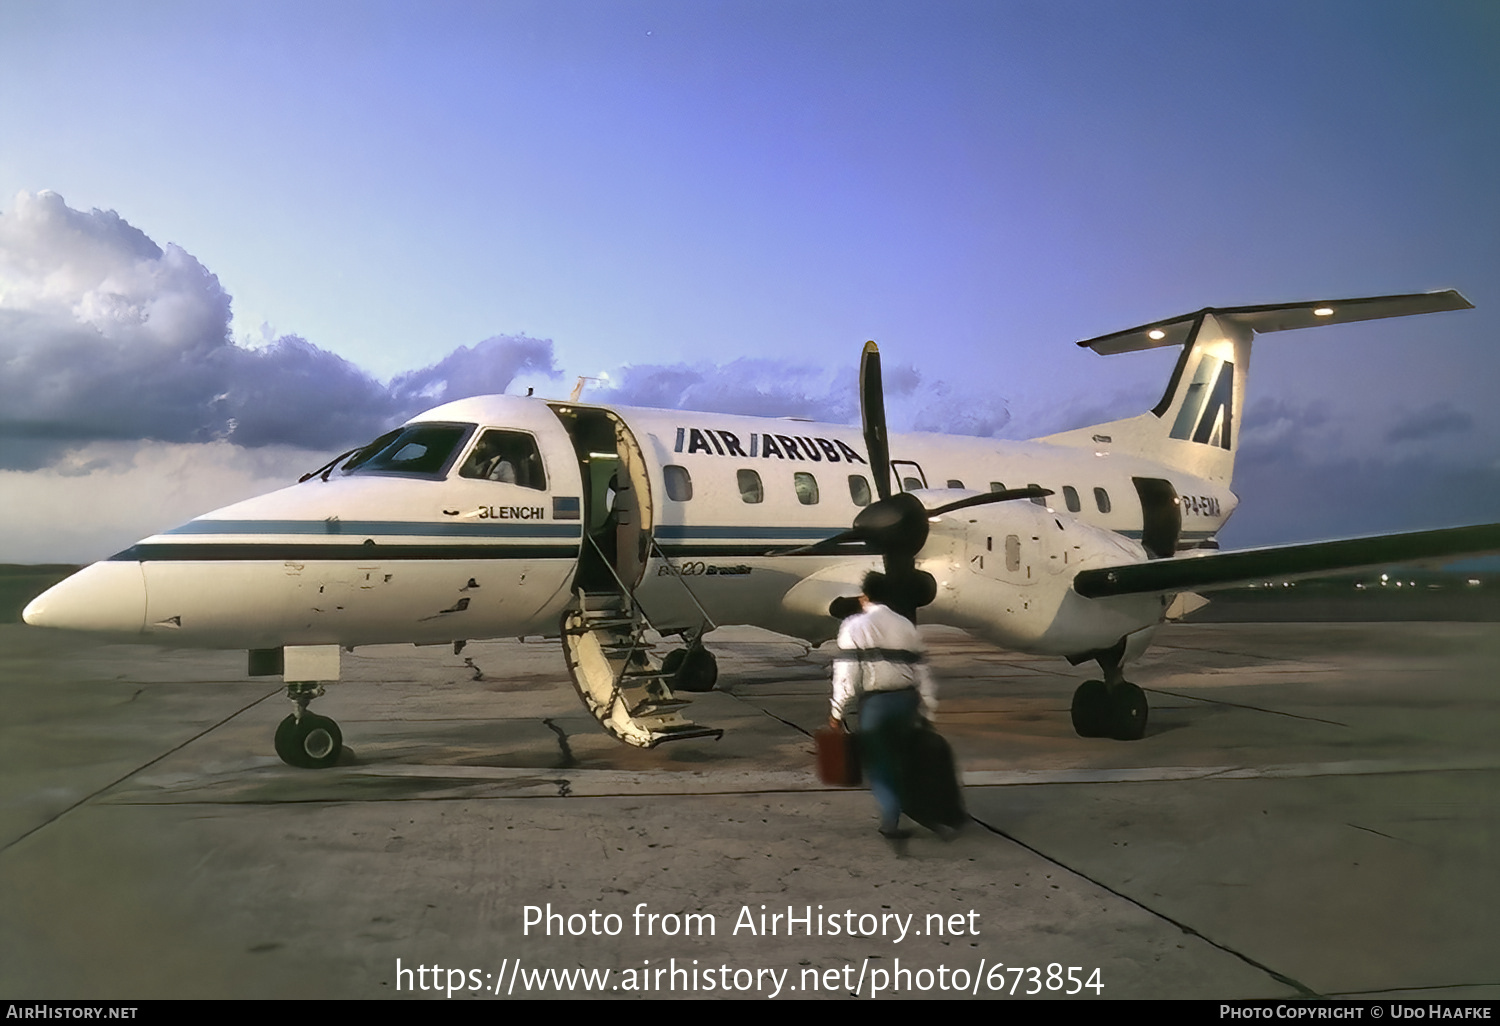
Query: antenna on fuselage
[[577, 392]]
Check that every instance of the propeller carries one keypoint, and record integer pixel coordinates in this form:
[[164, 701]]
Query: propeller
[[896, 525], [872, 418]]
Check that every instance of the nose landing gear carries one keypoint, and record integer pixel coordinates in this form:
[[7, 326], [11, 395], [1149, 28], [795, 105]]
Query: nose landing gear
[[304, 739]]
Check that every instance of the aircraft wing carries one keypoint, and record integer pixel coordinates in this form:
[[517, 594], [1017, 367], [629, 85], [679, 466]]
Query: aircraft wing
[[1188, 573]]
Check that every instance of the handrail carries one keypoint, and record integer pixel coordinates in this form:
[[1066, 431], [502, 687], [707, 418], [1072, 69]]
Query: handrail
[[685, 587], [625, 590]]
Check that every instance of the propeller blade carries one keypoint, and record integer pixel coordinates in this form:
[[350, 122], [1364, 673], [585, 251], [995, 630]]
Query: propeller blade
[[895, 525], [895, 528], [828, 546], [872, 416], [1033, 492]]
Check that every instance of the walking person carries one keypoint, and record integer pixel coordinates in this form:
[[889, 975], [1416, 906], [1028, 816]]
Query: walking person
[[881, 672]]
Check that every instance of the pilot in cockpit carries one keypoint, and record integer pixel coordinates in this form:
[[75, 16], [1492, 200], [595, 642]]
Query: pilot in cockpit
[[509, 457]]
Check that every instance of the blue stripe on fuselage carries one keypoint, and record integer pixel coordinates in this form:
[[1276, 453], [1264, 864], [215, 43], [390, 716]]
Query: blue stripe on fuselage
[[382, 528]]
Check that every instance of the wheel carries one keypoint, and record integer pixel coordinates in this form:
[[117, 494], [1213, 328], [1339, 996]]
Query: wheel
[[1128, 709], [314, 743], [692, 669], [1091, 709]]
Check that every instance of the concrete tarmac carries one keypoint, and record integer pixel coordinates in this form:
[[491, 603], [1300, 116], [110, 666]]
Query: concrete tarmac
[[1312, 812]]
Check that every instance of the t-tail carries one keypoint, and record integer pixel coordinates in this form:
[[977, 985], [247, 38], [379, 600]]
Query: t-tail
[[1196, 425]]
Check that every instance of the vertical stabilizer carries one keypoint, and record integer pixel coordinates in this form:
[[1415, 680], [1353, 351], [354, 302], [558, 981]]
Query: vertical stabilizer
[[1196, 425]]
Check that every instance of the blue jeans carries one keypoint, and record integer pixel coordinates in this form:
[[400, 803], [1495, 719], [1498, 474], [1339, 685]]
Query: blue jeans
[[886, 720]]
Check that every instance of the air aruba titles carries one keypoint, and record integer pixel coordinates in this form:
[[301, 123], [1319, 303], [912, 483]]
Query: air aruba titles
[[717, 442]]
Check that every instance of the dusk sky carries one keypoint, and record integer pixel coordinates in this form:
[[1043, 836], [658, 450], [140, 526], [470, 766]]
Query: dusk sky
[[238, 237]]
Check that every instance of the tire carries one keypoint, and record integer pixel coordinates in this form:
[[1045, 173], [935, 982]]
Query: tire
[[1128, 712], [693, 669], [314, 743], [1091, 709]]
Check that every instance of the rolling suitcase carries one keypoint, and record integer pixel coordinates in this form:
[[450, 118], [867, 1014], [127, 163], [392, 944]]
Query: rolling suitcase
[[930, 791]]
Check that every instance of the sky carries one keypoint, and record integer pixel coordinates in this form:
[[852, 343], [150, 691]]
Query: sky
[[236, 238]]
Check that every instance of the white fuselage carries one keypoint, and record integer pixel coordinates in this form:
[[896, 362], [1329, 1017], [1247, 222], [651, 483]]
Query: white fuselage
[[369, 557]]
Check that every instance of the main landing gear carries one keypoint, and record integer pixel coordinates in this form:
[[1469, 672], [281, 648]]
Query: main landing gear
[[305, 739], [1112, 707], [693, 669]]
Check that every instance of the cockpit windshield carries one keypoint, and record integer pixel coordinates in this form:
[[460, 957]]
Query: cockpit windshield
[[417, 450]]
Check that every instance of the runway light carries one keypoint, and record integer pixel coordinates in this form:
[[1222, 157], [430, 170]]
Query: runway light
[[1323, 311], [1156, 334]]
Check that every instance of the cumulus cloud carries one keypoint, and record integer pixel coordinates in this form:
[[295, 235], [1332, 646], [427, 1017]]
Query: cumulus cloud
[[102, 496], [1430, 422], [486, 369], [747, 387], [755, 387], [103, 334], [1302, 477], [1302, 497], [106, 335]]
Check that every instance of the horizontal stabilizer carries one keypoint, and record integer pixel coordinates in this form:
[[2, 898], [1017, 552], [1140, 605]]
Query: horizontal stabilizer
[[1277, 317], [1283, 561]]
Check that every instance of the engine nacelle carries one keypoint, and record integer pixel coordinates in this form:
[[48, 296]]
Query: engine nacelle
[[1005, 573]]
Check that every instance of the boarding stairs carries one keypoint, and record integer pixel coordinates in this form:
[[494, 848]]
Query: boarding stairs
[[617, 673]]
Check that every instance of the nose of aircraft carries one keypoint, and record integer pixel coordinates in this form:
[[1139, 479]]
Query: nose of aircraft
[[108, 597]]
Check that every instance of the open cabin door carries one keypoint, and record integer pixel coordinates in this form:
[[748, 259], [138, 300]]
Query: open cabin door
[[1161, 516], [617, 507], [614, 670]]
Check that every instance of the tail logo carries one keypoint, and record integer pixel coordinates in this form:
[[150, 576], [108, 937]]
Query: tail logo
[[1207, 413]]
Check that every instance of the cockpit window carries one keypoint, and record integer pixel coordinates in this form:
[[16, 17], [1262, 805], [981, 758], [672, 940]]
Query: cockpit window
[[510, 457], [362, 456], [418, 450]]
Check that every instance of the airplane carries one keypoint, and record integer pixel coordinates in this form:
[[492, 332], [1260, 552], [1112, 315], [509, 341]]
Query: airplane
[[507, 516]]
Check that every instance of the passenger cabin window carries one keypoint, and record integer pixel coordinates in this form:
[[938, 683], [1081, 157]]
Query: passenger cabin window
[[509, 457], [1070, 496], [954, 482], [1040, 500], [679, 483], [1101, 499], [909, 475], [418, 450], [807, 488], [750, 486], [859, 490]]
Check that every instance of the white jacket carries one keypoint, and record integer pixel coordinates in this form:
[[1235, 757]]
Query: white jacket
[[880, 650]]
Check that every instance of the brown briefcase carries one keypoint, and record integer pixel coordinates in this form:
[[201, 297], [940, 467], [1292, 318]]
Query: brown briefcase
[[838, 757]]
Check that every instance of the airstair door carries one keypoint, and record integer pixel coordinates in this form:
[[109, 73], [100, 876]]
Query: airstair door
[[610, 659], [1161, 516], [617, 506]]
